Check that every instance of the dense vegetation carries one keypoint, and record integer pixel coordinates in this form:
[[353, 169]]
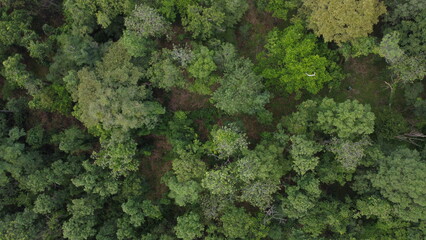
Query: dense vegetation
[[212, 119]]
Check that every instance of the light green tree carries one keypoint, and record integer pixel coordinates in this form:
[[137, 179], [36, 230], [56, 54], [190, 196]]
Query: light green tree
[[241, 90], [303, 154], [111, 96], [346, 120], [294, 60], [341, 21], [189, 227]]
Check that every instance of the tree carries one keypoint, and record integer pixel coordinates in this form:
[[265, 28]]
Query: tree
[[302, 152], [118, 153], [164, 73], [216, 16], [228, 141], [189, 227], [281, 9], [239, 224], [294, 60], [203, 22], [219, 182], [188, 166], [146, 22], [96, 180], [16, 74], [399, 180], [301, 198], [390, 124], [15, 27], [341, 21], [110, 96], [349, 153], [140, 210], [241, 90], [201, 68], [81, 224], [36, 136], [259, 173], [105, 11], [183, 192], [72, 140], [349, 119], [362, 46], [407, 17], [259, 193], [406, 68], [137, 46], [332, 214]]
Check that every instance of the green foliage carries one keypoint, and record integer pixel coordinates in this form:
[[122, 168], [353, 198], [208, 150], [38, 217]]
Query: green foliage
[[52, 98], [301, 121], [118, 153], [96, 180], [294, 60], [72, 140], [219, 182], [39, 50], [241, 90], [188, 166], [136, 46], [15, 27], [139, 211], [374, 207], [358, 47], [390, 124], [408, 19], [349, 153], [35, 136], [145, 22], [111, 96], [280, 9], [188, 226], [164, 73], [316, 175], [303, 153], [228, 141], [105, 11], [341, 21], [412, 92], [15, 72], [332, 215], [183, 192], [239, 224], [399, 179], [302, 197], [407, 68], [347, 120], [201, 68], [204, 21]]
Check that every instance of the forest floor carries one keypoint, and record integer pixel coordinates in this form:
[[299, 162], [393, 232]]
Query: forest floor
[[365, 81], [253, 30], [155, 166]]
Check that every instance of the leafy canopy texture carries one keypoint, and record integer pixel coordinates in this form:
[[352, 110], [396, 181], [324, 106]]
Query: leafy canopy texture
[[344, 20], [111, 96], [241, 90], [347, 120], [400, 179], [294, 60], [146, 22]]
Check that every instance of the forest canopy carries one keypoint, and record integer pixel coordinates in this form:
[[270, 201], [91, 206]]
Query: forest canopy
[[212, 119]]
